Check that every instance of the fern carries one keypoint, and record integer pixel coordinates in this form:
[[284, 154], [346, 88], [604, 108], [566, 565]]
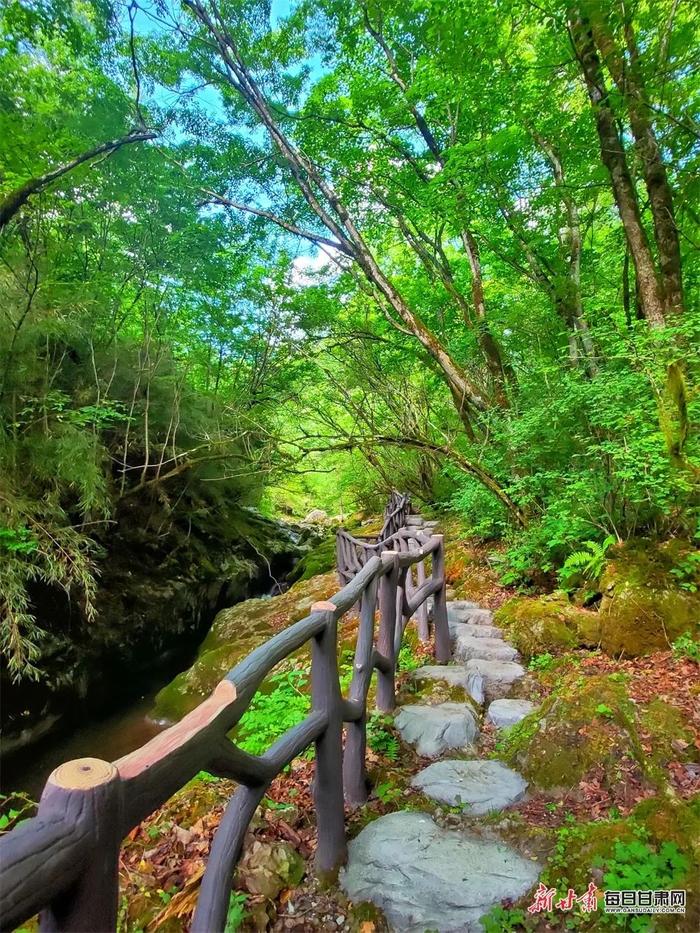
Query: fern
[[586, 564]]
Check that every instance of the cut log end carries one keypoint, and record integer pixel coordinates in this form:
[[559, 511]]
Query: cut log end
[[324, 606], [225, 691], [83, 774]]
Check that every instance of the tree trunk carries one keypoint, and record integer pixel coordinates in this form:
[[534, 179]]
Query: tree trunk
[[615, 160], [629, 81]]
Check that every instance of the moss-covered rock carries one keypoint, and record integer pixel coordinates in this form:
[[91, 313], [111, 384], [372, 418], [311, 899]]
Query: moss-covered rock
[[648, 597], [320, 559], [547, 624], [570, 733], [266, 868], [591, 723], [234, 634]]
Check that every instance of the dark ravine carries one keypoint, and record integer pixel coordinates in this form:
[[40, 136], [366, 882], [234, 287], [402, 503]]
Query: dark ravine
[[162, 579]]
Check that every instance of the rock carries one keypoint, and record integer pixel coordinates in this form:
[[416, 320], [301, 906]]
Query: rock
[[482, 785], [234, 634], [504, 713], [267, 868], [474, 630], [435, 729], [643, 607], [498, 676], [590, 725], [536, 625], [427, 878], [454, 674], [467, 648], [460, 611], [315, 516]]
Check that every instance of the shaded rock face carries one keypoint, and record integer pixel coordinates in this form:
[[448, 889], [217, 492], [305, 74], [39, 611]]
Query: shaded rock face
[[645, 605], [480, 786], [235, 632], [161, 579], [437, 729], [427, 878]]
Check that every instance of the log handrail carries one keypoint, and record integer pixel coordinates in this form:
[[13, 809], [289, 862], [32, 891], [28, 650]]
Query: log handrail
[[64, 861]]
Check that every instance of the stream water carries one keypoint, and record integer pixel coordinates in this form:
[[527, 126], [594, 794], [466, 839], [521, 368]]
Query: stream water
[[124, 728], [107, 738]]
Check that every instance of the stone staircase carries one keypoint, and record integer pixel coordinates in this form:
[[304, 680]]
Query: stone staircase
[[429, 877]]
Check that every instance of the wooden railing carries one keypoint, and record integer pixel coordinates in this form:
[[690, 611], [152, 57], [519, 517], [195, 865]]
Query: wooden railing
[[353, 552], [64, 862]]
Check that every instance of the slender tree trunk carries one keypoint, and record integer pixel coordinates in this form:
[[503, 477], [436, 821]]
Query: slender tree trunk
[[629, 81], [576, 314], [326, 204], [488, 343], [615, 160]]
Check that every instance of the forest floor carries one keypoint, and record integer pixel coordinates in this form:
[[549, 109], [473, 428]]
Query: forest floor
[[625, 733]]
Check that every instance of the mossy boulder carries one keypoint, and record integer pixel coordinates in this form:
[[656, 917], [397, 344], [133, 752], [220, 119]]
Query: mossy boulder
[[570, 732], [651, 596], [547, 624], [234, 634], [320, 559], [591, 723], [268, 867]]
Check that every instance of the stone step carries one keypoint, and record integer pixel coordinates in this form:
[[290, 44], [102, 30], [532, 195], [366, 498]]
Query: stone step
[[457, 675], [492, 680], [434, 730], [427, 878], [475, 631], [468, 612], [482, 786], [507, 712], [467, 648]]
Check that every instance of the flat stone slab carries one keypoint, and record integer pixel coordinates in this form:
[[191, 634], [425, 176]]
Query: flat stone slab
[[497, 677], [505, 713], [483, 786], [437, 729], [457, 675], [454, 674], [427, 878], [467, 648], [462, 611], [475, 630]]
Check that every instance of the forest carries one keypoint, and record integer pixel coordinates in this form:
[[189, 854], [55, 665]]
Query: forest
[[261, 259]]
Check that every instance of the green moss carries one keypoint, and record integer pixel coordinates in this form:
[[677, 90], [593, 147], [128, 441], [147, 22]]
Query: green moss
[[585, 852], [581, 724], [547, 624], [666, 725], [320, 559], [233, 635], [645, 604]]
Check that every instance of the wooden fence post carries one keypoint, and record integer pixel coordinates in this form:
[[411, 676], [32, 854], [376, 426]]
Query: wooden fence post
[[422, 611], [331, 848], [443, 648], [87, 790], [388, 596], [354, 771]]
